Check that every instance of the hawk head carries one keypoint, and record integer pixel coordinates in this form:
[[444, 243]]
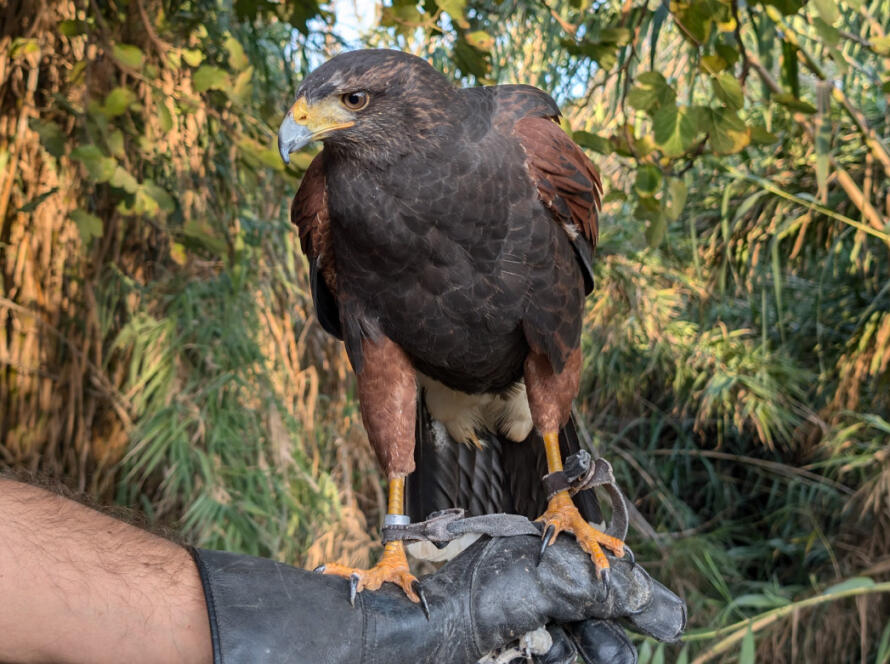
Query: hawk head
[[371, 104]]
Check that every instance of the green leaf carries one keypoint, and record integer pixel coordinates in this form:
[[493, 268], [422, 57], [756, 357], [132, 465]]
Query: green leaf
[[787, 7], [237, 59], [795, 104], [480, 39], [470, 60], [71, 28], [99, 167], [270, 159], [648, 180], [748, 652], [651, 92], [713, 64], [850, 584], [728, 90], [51, 136], [116, 143], [593, 142], [192, 56], [164, 116], [823, 150], [123, 180], [21, 47], [242, 87], [827, 10], [34, 203], [89, 225], [118, 101], [676, 198], [128, 55], [455, 9], [614, 195], [830, 35], [161, 197], [728, 133], [761, 136], [675, 130], [881, 45], [209, 77], [656, 229], [728, 53]]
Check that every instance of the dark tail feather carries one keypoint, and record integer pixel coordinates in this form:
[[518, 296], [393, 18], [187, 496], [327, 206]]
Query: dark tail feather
[[501, 476]]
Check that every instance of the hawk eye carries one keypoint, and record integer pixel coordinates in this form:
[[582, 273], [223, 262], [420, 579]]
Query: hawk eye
[[355, 101]]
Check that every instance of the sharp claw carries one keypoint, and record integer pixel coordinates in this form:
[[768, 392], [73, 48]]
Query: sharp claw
[[629, 554], [353, 587], [320, 569], [545, 541], [417, 588], [606, 578]]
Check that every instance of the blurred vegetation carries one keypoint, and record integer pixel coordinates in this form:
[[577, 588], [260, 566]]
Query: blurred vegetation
[[158, 347]]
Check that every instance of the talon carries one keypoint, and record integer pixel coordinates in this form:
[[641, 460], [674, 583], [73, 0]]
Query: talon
[[563, 515], [418, 589], [630, 556], [320, 569], [545, 541], [606, 578], [354, 580]]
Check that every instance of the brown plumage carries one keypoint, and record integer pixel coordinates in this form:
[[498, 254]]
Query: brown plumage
[[450, 236]]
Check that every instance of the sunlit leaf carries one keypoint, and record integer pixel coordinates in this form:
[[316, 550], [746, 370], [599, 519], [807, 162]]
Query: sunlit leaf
[[726, 130], [651, 92], [728, 90], [713, 64], [827, 10], [161, 197], [193, 57], [122, 179], [480, 39], [675, 129], [455, 9], [237, 59], [118, 101], [209, 77], [22, 46], [128, 55]]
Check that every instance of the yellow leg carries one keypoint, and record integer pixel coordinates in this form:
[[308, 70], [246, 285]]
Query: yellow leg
[[393, 564], [562, 515]]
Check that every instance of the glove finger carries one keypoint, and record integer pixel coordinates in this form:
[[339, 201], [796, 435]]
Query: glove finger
[[664, 618], [561, 652], [602, 642]]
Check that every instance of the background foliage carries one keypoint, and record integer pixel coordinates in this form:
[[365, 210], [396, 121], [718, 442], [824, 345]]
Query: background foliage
[[158, 348]]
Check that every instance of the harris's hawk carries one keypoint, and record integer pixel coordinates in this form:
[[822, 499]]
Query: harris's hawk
[[450, 235]]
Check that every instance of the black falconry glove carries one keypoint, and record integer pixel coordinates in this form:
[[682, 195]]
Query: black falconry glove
[[264, 612]]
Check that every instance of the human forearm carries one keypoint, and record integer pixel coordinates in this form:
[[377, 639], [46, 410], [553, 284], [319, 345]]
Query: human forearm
[[78, 586]]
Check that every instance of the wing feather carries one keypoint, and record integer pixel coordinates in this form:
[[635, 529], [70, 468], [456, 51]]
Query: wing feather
[[309, 213], [567, 183]]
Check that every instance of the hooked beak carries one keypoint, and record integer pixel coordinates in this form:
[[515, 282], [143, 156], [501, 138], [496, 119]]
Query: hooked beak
[[292, 137], [304, 124]]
